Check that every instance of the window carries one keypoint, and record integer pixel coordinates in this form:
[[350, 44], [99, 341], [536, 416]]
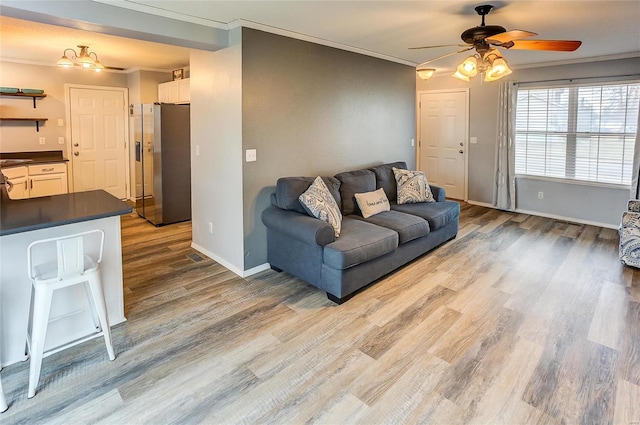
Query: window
[[579, 132]]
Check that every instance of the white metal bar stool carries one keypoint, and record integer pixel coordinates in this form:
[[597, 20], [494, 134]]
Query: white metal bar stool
[[72, 267]]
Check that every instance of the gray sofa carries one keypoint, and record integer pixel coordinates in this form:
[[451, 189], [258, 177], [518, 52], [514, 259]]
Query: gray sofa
[[367, 249]]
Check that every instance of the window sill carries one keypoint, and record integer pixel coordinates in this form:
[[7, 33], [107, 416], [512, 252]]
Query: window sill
[[574, 182]]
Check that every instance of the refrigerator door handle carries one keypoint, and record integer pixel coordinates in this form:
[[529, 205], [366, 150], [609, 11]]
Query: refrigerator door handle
[[137, 151]]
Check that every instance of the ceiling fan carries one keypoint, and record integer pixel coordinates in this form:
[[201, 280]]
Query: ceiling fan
[[487, 59]]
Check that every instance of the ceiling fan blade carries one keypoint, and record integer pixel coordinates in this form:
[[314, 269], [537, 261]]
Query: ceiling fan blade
[[441, 45], [508, 36], [445, 56], [556, 45]]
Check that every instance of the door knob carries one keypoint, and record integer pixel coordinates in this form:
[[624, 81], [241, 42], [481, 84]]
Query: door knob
[[77, 144], [76, 153], [461, 144], [461, 151]]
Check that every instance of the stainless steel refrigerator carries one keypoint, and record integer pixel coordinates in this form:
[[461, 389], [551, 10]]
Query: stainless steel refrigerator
[[162, 162]]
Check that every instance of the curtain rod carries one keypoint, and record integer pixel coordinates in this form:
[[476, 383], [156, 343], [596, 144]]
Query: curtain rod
[[571, 80]]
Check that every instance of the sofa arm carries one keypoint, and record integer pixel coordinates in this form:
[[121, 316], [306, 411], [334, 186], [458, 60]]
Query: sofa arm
[[633, 205], [439, 194], [305, 228]]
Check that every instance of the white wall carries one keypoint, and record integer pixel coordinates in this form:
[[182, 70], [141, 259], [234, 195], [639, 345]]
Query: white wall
[[592, 204], [22, 136], [216, 174]]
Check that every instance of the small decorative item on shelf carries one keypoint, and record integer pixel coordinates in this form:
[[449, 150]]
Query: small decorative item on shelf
[[32, 91], [178, 74], [9, 90]]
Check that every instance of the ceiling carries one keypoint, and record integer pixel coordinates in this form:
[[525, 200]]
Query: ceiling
[[387, 28]]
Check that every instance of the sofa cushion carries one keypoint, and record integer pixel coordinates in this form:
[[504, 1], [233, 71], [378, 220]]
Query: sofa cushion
[[319, 203], [289, 189], [352, 182], [386, 180], [372, 203], [412, 187], [359, 242], [437, 214], [408, 227]]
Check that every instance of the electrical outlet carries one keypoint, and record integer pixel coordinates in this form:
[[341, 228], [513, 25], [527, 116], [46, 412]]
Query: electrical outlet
[[61, 140], [211, 228], [60, 122], [540, 195], [42, 140]]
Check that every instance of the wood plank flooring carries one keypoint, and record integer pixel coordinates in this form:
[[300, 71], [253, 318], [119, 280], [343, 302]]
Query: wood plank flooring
[[520, 320]]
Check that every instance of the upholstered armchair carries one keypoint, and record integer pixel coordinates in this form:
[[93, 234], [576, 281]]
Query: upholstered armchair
[[630, 234]]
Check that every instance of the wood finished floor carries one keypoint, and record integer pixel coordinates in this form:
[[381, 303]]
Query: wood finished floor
[[520, 320]]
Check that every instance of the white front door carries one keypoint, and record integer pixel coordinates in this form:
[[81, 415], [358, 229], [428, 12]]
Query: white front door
[[98, 137], [442, 139]]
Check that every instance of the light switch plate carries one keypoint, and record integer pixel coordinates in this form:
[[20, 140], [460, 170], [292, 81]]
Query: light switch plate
[[250, 155], [41, 140], [60, 122], [61, 140], [473, 140]]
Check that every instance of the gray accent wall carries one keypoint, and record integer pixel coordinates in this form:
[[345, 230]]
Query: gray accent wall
[[593, 204], [313, 110]]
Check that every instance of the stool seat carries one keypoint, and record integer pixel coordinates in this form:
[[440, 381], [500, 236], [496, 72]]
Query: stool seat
[[72, 267]]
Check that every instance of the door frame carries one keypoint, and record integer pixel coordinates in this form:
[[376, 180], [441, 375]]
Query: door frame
[[466, 131], [125, 115]]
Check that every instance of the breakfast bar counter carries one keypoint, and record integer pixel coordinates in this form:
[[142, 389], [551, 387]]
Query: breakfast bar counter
[[27, 220]]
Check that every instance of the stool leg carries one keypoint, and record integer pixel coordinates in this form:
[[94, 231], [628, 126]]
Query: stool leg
[[95, 283], [41, 310], [3, 401]]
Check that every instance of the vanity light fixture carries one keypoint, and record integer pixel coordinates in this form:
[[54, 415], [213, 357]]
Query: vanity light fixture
[[86, 59]]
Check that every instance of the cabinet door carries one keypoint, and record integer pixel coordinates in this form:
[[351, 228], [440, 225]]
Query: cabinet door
[[163, 94], [17, 188], [47, 184], [184, 92]]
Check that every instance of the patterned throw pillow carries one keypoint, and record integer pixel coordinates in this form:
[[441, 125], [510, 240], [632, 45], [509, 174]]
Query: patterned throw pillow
[[319, 203], [372, 203], [412, 187]]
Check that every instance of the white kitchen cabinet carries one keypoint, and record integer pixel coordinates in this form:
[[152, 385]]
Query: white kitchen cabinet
[[177, 91], [34, 181]]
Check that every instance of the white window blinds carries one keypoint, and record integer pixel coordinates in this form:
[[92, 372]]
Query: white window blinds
[[578, 132]]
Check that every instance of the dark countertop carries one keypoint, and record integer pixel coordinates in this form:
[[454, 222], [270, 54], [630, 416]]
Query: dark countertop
[[13, 159], [24, 215]]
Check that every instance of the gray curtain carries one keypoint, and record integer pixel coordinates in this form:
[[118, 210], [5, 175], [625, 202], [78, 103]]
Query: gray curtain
[[504, 194], [635, 187]]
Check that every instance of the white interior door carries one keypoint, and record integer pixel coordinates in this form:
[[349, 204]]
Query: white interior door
[[443, 139], [98, 140]]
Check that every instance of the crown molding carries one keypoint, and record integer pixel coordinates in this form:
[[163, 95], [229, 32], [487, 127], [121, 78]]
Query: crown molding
[[243, 23], [154, 10]]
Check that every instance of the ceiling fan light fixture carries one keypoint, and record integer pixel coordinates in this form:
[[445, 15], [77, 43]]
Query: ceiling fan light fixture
[[469, 67], [498, 69], [460, 76], [425, 73]]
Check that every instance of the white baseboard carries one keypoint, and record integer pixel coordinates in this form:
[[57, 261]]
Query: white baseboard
[[480, 204], [570, 219], [553, 216], [228, 265]]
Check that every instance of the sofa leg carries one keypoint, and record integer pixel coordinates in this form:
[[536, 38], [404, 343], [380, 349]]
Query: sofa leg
[[339, 300], [275, 269]]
